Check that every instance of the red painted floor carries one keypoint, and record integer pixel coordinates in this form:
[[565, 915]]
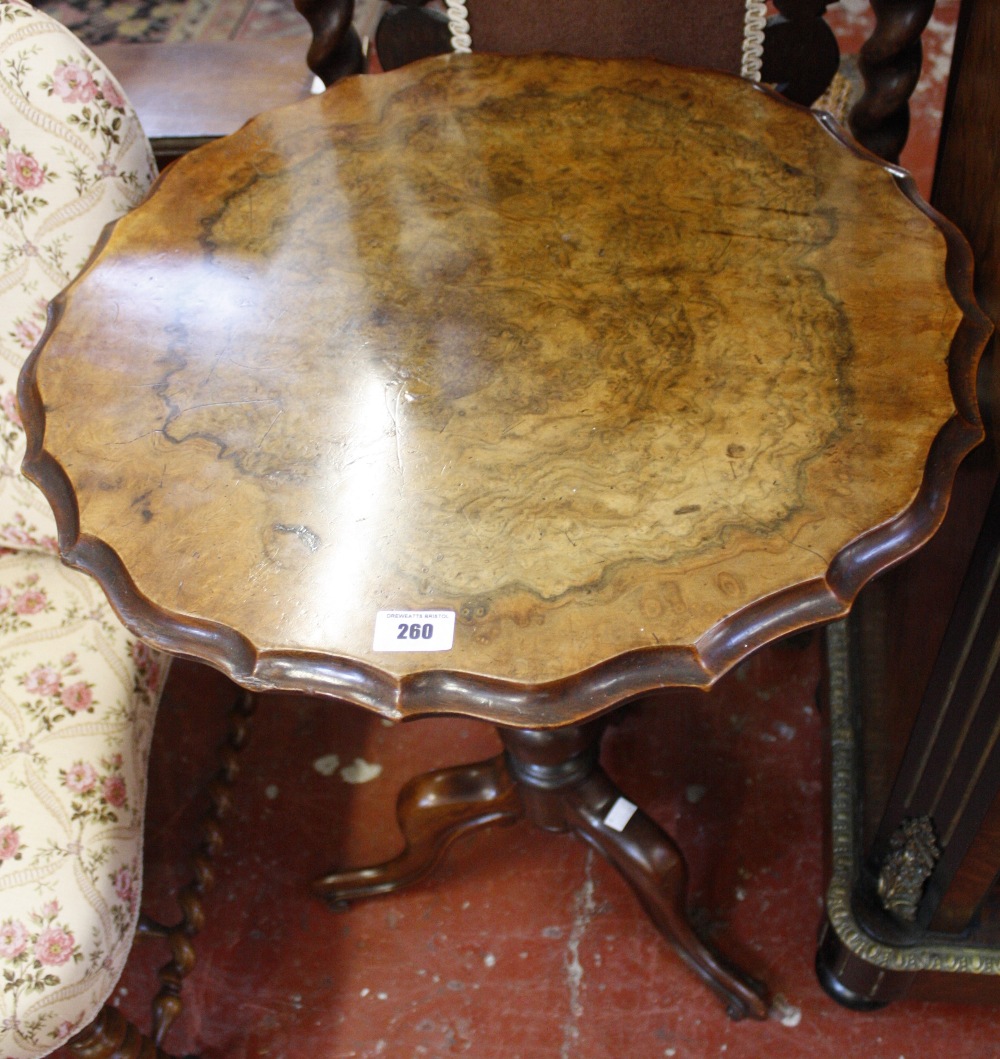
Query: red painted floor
[[523, 945]]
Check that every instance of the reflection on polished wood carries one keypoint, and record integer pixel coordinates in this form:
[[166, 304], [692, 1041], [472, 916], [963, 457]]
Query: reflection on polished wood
[[632, 368]]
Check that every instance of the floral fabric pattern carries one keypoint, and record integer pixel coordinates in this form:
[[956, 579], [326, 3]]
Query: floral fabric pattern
[[78, 694], [72, 158], [78, 698]]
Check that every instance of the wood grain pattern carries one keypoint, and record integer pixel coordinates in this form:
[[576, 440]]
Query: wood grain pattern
[[633, 368]]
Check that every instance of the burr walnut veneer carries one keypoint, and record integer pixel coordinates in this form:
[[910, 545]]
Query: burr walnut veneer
[[630, 369]]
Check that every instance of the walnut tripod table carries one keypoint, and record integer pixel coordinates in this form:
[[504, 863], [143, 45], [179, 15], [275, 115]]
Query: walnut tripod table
[[515, 389], [553, 777]]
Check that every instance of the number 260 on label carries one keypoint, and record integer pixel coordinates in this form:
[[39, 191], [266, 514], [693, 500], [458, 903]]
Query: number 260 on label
[[414, 630]]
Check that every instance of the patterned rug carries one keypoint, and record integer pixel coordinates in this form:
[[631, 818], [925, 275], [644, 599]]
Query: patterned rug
[[149, 21]]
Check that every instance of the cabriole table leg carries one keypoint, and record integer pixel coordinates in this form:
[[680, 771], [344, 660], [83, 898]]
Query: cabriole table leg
[[553, 777], [564, 788], [432, 810]]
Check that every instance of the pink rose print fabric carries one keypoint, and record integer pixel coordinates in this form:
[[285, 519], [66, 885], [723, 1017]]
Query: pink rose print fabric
[[78, 699], [10, 842], [24, 172], [73, 83], [78, 694], [72, 158]]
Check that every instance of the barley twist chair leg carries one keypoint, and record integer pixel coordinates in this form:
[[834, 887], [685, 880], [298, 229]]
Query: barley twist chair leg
[[890, 62], [112, 1036], [167, 1003]]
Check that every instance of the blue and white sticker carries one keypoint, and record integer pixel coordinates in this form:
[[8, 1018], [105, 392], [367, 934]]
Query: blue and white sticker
[[414, 630]]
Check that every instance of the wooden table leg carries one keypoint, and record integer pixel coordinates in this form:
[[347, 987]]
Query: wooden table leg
[[553, 777], [565, 789], [432, 811]]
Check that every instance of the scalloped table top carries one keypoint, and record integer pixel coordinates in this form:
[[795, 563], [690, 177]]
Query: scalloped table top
[[631, 368]]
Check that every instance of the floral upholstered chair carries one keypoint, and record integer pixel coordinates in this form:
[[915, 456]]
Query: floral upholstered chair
[[78, 694]]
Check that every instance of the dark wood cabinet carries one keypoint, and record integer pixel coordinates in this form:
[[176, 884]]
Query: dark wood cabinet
[[913, 906]]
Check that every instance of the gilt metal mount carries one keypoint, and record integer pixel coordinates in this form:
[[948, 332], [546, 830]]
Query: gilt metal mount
[[913, 852]]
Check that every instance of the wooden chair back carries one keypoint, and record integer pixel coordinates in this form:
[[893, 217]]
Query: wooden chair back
[[795, 49]]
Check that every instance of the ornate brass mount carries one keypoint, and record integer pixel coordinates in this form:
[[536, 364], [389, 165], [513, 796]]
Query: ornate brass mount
[[913, 852]]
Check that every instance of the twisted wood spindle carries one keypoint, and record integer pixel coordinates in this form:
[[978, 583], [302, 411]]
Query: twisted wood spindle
[[112, 1036], [167, 1003], [336, 49], [890, 65]]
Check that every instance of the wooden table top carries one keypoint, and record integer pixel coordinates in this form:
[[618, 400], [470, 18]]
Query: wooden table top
[[631, 368]]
